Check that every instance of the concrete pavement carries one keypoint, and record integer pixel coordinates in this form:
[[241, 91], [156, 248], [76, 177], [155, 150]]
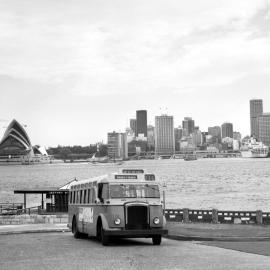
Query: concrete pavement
[[177, 231], [62, 251]]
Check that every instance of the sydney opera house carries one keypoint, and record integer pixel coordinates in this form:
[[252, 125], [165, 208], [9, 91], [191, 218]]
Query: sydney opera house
[[16, 147]]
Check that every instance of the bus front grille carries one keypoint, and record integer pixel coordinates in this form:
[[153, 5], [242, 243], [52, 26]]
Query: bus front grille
[[137, 217]]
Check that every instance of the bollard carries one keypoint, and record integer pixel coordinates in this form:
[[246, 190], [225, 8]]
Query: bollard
[[185, 215], [215, 216], [259, 217]]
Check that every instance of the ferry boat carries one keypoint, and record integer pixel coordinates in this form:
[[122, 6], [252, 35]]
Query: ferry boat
[[254, 149], [25, 159]]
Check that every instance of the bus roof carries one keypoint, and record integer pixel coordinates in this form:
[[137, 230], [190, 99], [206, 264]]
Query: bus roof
[[116, 178]]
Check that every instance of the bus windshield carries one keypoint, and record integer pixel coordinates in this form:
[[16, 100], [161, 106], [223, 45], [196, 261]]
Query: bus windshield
[[134, 191]]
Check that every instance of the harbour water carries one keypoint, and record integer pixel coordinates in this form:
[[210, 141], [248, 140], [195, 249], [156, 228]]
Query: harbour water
[[225, 184]]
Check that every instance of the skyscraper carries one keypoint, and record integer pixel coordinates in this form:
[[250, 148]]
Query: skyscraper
[[117, 145], [132, 125], [256, 109], [141, 123], [227, 130], [178, 132], [164, 135], [188, 126], [264, 128], [215, 132], [150, 137]]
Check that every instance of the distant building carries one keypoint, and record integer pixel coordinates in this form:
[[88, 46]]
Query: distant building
[[117, 145], [204, 135], [188, 126], [178, 133], [227, 130], [256, 110], [196, 137], [15, 141], [215, 132], [136, 147], [164, 135], [237, 136], [141, 123], [16, 147], [132, 125], [151, 137], [264, 128]]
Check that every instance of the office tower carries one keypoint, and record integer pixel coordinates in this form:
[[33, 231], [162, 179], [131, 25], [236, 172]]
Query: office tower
[[215, 132], [141, 123], [117, 145], [178, 133], [151, 137], [256, 109], [196, 137], [132, 125], [164, 135], [264, 128], [227, 130], [204, 135], [188, 126]]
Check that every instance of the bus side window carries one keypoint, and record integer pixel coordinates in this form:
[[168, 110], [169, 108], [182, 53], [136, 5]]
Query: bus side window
[[81, 194], [77, 196], [70, 197], [84, 196], [74, 195], [93, 195], [100, 186], [89, 196]]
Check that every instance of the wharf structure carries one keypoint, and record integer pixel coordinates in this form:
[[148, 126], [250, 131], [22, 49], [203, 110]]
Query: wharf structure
[[16, 147]]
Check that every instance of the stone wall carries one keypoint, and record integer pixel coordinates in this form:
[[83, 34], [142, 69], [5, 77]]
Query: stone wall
[[33, 219]]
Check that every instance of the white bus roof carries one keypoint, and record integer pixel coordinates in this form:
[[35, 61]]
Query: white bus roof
[[121, 177]]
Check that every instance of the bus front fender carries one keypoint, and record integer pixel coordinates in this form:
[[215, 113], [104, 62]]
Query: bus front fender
[[104, 222]]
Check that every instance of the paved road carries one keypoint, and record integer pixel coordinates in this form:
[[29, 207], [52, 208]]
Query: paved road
[[62, 251]]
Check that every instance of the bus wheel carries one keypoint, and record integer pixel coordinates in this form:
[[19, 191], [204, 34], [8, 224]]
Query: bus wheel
[[156, 240], [75, 231], [104, 238]]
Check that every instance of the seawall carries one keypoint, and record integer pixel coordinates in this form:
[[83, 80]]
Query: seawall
[[33, 219]]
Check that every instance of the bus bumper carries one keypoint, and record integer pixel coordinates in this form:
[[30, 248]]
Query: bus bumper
[[135, 233]]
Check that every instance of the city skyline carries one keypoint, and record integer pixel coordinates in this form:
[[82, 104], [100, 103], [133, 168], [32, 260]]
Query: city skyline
[[72, 73]]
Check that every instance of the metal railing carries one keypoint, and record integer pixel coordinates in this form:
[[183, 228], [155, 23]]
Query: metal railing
[[10, 208]]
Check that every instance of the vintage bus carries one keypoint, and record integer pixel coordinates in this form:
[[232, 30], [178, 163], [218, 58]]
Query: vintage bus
[[125, 204]]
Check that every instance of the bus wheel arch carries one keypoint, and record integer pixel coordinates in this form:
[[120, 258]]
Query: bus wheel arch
[[74, 229], [101, 223]]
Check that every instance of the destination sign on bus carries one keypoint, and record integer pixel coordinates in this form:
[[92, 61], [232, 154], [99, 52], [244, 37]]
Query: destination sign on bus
[[132, 171], [121, 176]]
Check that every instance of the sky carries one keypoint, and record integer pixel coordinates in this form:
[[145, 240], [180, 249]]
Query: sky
[[74, 70]]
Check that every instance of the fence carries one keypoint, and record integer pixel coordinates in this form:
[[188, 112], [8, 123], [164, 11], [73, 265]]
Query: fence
[[217, 216], [10, 208]]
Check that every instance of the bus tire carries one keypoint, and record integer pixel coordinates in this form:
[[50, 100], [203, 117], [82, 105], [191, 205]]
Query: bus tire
[[156, 240], [75, 231], [104, 238]]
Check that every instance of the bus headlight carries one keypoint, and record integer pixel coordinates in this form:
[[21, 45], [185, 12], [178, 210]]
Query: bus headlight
[[117, 221], [156, 220]]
